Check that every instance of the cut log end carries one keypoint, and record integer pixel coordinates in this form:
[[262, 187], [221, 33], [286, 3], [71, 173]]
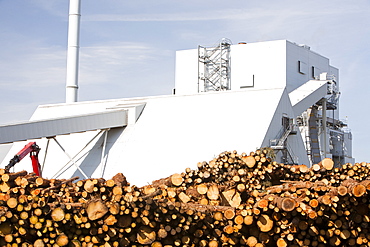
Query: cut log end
[[146, 235], [359, 190], [265, 223], [176, 179], [96, 209], [250, 161], [288, 204], [327, 163]]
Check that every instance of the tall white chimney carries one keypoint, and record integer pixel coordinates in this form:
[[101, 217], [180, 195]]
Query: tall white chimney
[[73, 50]]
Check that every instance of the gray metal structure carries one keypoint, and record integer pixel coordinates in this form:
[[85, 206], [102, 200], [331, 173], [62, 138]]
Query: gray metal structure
[[62, 126], [214, 67]]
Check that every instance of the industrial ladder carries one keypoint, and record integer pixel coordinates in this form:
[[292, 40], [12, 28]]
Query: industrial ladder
[[314, 136]]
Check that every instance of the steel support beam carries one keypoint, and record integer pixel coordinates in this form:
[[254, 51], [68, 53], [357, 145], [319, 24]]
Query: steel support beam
[[62, 126]]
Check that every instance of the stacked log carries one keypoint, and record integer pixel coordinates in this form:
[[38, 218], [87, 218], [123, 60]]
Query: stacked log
[[232, 200]]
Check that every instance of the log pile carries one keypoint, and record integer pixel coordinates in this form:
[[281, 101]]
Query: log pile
[[232, 200]]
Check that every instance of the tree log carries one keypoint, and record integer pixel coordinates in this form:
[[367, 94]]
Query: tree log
[[96, 209], [265, 223], [146, 235]]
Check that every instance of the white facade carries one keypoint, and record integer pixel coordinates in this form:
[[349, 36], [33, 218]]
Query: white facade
[[278, 64], [273, 86], [262, 65], [170, 134]]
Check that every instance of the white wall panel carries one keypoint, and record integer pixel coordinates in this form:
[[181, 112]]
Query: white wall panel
[[186, 81]]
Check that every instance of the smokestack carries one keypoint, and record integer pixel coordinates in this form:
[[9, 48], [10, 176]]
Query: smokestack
[[73, 50]]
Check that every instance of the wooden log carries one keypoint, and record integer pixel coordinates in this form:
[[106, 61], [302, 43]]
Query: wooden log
[[213, 192], [288, 204], [96, 209], [327, 163], [41, 182], [124, 221], [335, 241], [229, 214], [176, 179], [156, 244], [110, 220], [228, 229], [7, 177], [281, 242], [303, 169], [58, 185], [231, 198], [342, 190], [250, 161], [241, 187], [251, 241], [316, 167], [297, 210], [62, 240], [89, 186], [213, 243], [39, 243], [12, 202], [314, 203], [57, 214], [248, 220], [184, 197], [202, 189], [358, 190], [264, 223], [120, 180], [263, 203], [146, 235], [218, 216], [5, 187], [239, 219]]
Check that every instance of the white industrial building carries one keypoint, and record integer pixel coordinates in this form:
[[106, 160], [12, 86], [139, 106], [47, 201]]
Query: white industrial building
[[227, 97]]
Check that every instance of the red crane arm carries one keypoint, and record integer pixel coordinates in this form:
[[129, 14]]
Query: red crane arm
[[26, 150], [32, 149]]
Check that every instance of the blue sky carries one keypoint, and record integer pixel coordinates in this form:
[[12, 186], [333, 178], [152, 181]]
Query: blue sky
[[128, 47]]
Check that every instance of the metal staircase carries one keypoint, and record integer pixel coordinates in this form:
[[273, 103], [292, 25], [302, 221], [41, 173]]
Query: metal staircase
[[281, 144], [214, 67]]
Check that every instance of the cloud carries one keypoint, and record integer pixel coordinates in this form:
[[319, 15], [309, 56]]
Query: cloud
[[169, 17], [55, 8], [282, 10], [103, 62], [124, 69], [31, 73], [35, 67]]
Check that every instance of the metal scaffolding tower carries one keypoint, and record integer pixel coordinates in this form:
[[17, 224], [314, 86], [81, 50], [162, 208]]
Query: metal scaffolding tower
[[214, 67]]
